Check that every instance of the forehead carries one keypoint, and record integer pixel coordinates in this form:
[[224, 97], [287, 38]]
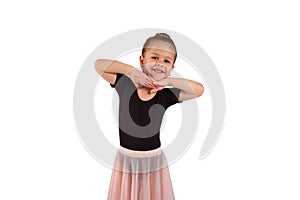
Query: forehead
[[161, 45], [162, 49]]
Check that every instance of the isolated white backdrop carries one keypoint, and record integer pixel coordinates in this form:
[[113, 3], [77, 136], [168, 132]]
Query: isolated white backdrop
[[254, 45]]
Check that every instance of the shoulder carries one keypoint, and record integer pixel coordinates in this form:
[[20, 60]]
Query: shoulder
[[120, 78], [170, 96]]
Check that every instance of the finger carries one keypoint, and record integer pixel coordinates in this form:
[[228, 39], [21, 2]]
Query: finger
[[153, 90], [151, 86], [151, 79], [148, 84], [158, 84], [156, 89]]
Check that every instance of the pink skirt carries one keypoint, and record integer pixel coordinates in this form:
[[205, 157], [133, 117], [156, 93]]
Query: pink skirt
[[140, 175]]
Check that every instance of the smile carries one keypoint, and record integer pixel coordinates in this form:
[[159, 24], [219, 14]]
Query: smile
[[158, 70]]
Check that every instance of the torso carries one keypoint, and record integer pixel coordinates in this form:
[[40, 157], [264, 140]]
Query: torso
[[141, 114]]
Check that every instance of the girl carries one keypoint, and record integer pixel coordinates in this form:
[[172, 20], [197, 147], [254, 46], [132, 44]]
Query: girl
[[140, 169]]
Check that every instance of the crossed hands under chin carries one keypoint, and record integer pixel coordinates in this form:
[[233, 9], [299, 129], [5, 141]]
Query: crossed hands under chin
[[141, 79]]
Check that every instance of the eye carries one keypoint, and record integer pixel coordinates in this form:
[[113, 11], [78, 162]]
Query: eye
[[167, 61], [154, 57]]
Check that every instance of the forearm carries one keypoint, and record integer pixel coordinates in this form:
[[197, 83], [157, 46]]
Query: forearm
[[188, 86], [112, 66]]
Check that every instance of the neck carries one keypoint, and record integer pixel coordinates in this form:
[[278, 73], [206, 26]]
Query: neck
[[146, 89]]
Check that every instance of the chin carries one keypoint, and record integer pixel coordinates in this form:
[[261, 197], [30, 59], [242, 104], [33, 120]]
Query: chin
[[158, 78]]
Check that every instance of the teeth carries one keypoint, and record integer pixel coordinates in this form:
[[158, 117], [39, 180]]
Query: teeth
[[158, 70]]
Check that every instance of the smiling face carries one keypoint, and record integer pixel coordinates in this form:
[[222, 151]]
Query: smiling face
[[157, 61]]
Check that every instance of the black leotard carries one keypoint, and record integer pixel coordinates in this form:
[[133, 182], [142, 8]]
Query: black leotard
[[136, 129]]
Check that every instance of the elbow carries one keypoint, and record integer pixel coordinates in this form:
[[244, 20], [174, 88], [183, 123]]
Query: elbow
[[98, 65], [101, 65], [200, 90]]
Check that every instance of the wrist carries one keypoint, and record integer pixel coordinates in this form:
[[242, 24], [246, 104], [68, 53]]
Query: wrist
[[170, 81], [131, 71]]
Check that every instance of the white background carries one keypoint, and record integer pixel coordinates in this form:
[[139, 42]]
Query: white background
[[254, 45]]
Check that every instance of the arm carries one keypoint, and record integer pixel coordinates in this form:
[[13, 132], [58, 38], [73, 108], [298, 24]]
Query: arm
[[189, 89], [108, 69]]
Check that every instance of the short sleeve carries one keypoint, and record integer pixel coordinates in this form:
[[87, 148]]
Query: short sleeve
[[117, 79], [122, 83], [172, 96]]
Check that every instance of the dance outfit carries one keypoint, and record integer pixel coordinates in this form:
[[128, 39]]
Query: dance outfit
[[141, 170]]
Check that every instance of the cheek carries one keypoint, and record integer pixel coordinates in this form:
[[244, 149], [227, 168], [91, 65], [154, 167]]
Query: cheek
[[168, 71], [148, 66]]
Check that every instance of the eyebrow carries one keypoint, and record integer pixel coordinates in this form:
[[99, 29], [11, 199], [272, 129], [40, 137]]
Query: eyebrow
[[164, 57]]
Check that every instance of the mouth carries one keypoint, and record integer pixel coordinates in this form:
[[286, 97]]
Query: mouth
[[158, 70]]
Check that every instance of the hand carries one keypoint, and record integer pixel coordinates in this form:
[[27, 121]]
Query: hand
[[140, 79], [159, 85]]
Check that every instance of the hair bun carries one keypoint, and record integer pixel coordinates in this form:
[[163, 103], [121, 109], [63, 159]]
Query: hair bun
[[164, 35]]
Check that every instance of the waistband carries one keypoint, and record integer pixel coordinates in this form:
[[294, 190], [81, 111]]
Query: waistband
[[136, 153]]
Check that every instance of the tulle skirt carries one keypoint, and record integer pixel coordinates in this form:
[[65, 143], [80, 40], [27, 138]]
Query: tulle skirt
[[140, 175]]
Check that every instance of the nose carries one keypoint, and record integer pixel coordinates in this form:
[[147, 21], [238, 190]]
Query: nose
[[159, 62]]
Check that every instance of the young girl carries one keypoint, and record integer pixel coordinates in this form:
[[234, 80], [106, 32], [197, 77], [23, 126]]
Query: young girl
[[140, 169]]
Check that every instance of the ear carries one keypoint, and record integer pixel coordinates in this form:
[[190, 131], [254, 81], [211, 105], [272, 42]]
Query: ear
[[141, 60]]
